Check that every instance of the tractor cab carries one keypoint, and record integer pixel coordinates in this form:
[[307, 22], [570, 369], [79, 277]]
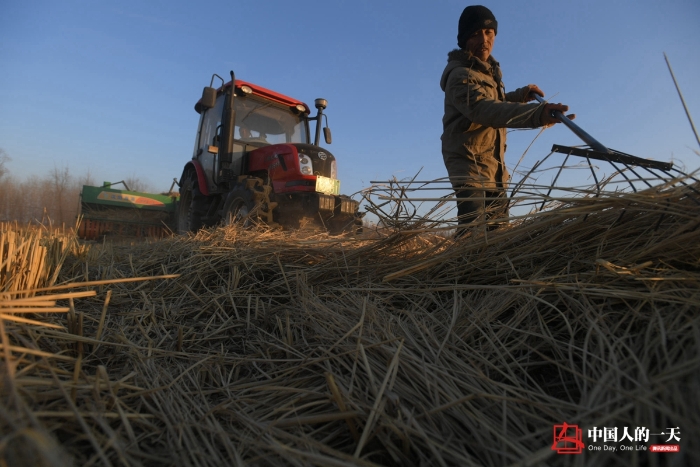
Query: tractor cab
[[265, 122], [245, 117]]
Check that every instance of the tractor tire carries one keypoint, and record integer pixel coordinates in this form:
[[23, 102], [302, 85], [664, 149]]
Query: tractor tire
[[239, 209], [248, 204], [189, 219]]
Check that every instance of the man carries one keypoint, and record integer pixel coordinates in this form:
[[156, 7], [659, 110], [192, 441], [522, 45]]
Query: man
[[247, 135], [477, 113]]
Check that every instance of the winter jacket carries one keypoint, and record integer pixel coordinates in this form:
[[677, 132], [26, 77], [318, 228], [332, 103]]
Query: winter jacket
[[477, 113]]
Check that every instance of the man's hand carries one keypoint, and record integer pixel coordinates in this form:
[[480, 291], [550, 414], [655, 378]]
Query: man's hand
[[533, 88], [548, 119]]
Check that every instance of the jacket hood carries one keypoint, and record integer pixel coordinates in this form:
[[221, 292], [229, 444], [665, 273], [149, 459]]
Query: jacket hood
[[463, 58]]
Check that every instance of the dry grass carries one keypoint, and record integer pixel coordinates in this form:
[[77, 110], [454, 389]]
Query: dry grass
[[401, 349], [31, 256]]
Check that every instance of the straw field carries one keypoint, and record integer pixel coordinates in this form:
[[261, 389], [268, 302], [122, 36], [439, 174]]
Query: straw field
[[253, 347]]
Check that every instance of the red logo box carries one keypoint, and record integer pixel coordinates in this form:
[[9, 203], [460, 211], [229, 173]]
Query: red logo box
[[567, 439]]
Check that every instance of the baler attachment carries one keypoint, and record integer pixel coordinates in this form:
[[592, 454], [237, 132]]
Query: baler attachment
[[106, 211]]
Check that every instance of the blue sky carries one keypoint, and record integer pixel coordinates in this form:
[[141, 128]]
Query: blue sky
[[109, 87]]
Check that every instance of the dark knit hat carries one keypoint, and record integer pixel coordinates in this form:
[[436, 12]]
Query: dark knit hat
[[473, 18]]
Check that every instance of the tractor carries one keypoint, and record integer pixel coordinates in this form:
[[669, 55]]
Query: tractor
[[254, 162]]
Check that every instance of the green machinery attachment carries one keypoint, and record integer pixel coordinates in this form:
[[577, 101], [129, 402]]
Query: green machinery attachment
[[106, 211]]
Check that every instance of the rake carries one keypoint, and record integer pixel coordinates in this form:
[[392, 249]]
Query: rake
[[597, 151]]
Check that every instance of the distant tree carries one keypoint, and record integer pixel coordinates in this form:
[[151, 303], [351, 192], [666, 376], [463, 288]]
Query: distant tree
[[53, 198], [86, 179], [60, 183], [5, 188], [136, 184], [4, 158], [26, 200]]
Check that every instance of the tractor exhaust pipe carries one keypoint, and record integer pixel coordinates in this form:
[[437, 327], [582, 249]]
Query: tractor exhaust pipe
[[320, 104]]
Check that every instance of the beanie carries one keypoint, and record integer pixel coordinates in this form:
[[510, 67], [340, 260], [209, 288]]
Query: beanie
[[473, 18]]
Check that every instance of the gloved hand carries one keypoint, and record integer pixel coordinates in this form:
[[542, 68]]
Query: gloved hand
[[548, 119], [534, 89]]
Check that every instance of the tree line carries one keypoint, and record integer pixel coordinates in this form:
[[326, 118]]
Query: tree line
[[52, 198]]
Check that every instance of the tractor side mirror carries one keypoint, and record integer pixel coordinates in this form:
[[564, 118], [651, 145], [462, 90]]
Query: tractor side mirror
[[208, 100], [327, 135]]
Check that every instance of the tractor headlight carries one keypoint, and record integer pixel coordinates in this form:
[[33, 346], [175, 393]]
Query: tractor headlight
[[305, 165]]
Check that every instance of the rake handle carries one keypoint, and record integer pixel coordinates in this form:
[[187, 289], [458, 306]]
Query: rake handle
[[578, 131]]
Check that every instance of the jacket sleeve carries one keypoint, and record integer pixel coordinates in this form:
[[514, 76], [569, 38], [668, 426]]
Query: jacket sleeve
[[519, 95], [472, 96]]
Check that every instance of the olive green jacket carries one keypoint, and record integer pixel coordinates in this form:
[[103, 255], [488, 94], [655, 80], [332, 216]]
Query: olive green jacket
[[477, 113]]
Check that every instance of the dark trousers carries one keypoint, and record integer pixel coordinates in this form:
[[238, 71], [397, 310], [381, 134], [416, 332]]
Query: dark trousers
[[477, 204]]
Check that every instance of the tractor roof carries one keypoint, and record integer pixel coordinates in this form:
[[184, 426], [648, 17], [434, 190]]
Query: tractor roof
[[262, 92]]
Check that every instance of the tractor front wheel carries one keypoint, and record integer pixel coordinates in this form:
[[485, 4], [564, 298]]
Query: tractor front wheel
[[239, 209]]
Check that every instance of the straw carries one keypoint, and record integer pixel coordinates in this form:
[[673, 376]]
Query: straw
[[398, 347]]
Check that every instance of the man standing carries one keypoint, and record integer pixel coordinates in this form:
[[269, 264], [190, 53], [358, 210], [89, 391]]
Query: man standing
[[477, 113]]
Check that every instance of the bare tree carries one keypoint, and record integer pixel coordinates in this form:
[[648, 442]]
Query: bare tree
[[136, 184], [52, 198], [86, 179], [4, 158], [5, 187], [25, 199], [60, 182]]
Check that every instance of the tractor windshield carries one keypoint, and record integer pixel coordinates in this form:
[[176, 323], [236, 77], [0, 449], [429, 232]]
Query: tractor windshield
[[259, 120]]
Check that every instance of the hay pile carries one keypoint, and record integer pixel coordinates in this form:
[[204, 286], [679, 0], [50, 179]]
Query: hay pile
[[31, 257], [405, 349]]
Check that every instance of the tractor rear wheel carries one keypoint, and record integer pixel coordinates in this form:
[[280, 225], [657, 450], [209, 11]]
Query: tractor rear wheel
[[189, 219]]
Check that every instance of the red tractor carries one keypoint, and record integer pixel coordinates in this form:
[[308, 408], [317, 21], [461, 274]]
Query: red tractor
[[254, 161]]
